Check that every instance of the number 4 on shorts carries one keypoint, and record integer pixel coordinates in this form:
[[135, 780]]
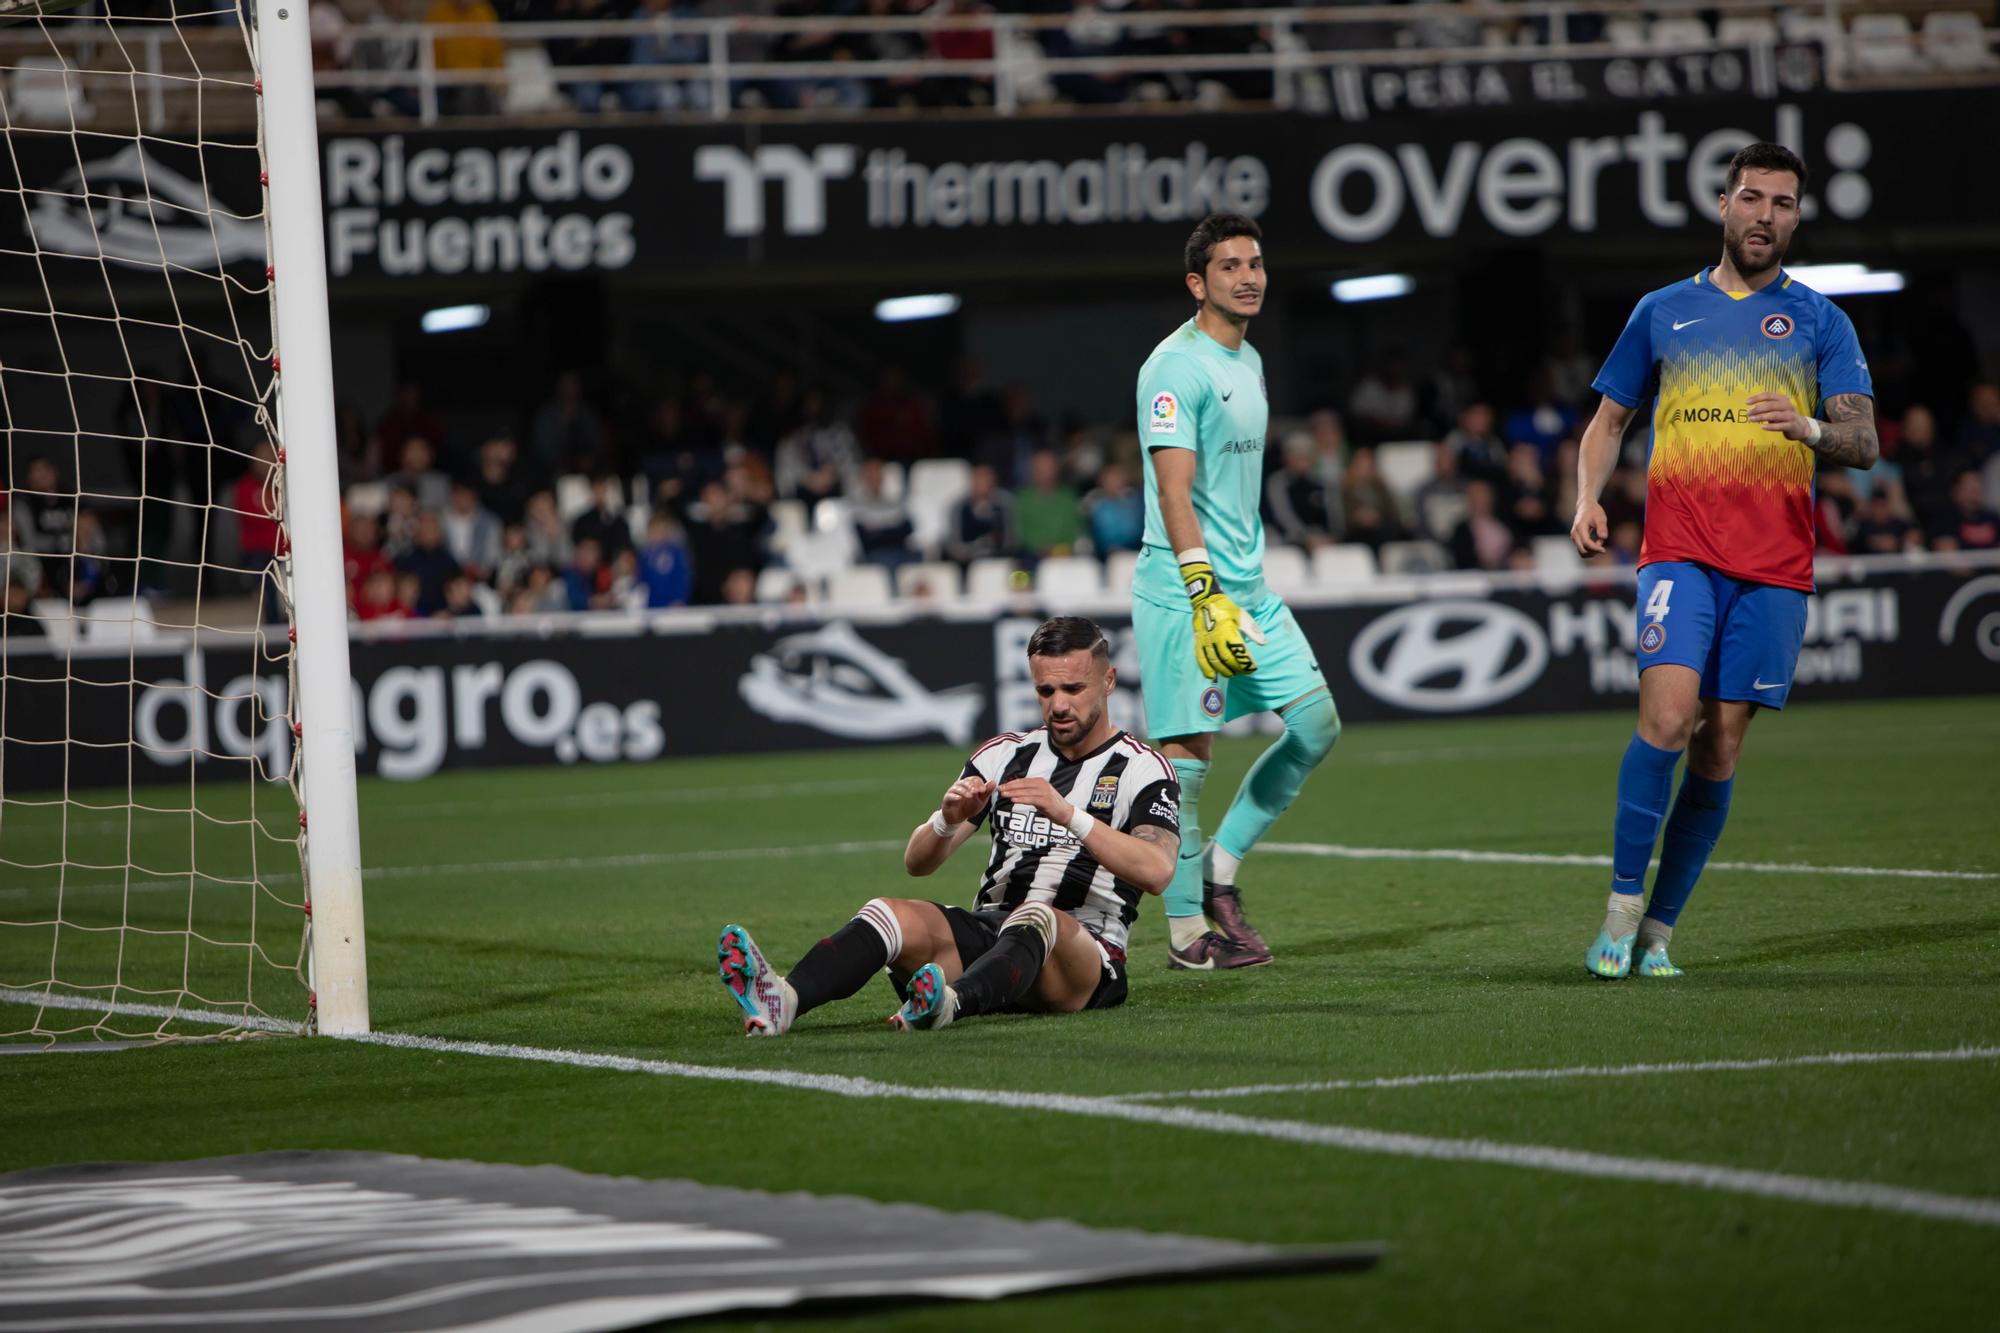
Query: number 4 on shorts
[[1656, 605]]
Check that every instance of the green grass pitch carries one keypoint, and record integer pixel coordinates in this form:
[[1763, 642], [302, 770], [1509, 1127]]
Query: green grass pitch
[[578, 909]]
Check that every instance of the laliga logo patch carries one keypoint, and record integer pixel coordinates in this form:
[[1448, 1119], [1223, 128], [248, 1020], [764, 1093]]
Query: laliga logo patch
[[1211, 701], [1777, 326], [1653, 638], [1166, 415]]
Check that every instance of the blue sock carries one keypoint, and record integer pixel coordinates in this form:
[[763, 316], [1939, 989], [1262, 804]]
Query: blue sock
[[1645, 780], [1692, 830], [1184, 894]]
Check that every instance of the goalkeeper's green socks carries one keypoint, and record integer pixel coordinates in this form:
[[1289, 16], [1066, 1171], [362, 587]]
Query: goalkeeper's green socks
[[1268, 790], [1185, 922]]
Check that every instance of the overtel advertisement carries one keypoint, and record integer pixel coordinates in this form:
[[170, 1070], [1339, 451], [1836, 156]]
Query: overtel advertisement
[[1432, 157], [426, 705]]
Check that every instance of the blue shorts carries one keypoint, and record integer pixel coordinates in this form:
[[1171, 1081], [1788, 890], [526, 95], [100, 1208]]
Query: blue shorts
[[1180, 701], [1743, 638]]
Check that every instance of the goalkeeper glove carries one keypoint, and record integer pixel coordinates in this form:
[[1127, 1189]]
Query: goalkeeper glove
[[1220, 626]]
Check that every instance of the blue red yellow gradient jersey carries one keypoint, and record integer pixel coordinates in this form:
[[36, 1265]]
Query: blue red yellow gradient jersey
[[1722, 491]]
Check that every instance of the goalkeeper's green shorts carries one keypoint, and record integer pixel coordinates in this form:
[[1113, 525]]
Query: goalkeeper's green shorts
[[1180, 701]]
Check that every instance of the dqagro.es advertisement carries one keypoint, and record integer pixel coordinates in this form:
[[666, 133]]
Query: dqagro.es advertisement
[[423, 706]]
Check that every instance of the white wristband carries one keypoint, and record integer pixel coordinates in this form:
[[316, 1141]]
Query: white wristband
[[941, 826], [1193, 554], [1812, 439], [1081, 822]]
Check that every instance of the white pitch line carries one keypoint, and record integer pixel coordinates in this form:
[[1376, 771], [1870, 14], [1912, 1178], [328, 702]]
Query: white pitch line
[[631, 860], [1565, 1161], [1473, 857], [1834, 1058]]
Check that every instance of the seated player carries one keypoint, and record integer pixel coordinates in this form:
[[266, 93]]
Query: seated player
[[1083, 819]]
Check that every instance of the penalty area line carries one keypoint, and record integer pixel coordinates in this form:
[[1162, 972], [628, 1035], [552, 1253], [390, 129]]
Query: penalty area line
[[1471, 856], [1813, 1190], [1834, 1058], [1821, 1192]]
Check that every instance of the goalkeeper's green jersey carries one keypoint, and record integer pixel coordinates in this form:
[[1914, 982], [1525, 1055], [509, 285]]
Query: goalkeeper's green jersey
[[1194, 393]]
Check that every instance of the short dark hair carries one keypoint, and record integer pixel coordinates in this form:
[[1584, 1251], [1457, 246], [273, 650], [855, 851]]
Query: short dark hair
[[1214, 229], [1063, 635], [1764, 157]]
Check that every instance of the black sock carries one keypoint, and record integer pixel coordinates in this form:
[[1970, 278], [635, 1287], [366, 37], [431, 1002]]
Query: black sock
[[1003, 973], [838, 965]]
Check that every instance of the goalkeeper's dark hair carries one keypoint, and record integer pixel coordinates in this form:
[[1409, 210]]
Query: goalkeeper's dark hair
[[1064, 635], [1212, 231], [1765, 157]]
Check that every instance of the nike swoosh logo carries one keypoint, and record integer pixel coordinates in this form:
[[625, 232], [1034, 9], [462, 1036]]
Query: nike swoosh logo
[[1680, 324], [1227, 396], [1191, 856], [1759, 684], [1205, 965]]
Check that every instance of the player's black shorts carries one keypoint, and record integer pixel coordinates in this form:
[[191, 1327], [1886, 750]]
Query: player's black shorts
[[977, 932]]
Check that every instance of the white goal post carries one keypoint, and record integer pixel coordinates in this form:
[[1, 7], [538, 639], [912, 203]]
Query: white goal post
[[166, 390]]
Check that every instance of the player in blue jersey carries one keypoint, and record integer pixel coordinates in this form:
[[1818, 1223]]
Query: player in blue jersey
[[1733, 369], [1214, 642]]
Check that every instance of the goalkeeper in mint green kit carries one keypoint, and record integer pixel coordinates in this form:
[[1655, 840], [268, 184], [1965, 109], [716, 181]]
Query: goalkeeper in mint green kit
[[1214, 642]]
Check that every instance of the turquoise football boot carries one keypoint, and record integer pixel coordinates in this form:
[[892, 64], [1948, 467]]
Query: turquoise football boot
[[931, 1004], [1610, 959], [1657, 964]]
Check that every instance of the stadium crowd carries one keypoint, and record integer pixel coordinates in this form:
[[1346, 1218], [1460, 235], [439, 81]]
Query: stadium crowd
[[608, 499]]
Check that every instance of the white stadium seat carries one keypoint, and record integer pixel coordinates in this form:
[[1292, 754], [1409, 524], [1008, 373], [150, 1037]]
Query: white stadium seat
[[1118, 567], [941, 577], [531, 82], [1343, 566], [1955, 40], [1557, 557], [572, 496], [1680, 34], [1405, 466], [367, 497], [1884, 44], [1626, 34], [858, 586], [775, 584], [1285, 570], [1069, 581], [43, 95], [936, 485], [788, 523], [1414, 558], [817, 554], [990, 579], [1746, 30]]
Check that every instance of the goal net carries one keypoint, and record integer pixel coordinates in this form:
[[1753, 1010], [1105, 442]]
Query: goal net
[[170, 527]]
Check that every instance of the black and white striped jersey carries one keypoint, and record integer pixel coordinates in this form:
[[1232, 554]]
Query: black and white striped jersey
[[1122, 782]]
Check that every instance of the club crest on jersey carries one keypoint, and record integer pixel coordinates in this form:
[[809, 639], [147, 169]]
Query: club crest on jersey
[[1211, 701], [1105, 794], [1777, 326], [1653, 638], [1166, 417]]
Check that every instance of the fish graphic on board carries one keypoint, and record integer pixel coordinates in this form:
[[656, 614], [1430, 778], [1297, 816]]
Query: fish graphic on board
[[833, 679], [131, 207]]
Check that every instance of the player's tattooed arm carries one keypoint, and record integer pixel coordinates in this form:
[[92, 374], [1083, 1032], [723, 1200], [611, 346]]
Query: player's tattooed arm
[[1848, 437], [1165, 839]]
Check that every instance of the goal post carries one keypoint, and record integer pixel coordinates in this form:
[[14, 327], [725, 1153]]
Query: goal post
[[304, 366], [179, 836]]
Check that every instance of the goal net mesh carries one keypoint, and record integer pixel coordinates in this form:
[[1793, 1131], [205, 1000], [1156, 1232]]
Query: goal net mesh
[[152, 881]]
